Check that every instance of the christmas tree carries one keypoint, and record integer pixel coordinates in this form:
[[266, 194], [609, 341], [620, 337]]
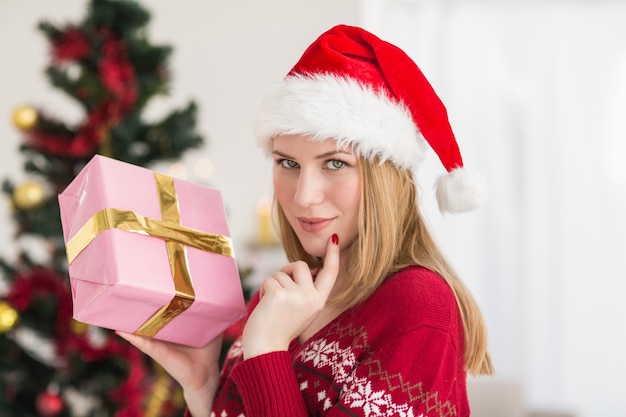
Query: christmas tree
[[51, 365]]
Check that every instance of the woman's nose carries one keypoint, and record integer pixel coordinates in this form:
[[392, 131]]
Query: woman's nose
[[309, 189]]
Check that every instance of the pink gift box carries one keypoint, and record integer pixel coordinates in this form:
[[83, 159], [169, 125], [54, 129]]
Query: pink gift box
[[122, 278]]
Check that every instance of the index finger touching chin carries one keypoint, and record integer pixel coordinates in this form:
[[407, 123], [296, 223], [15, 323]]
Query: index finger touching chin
[[327, 276]]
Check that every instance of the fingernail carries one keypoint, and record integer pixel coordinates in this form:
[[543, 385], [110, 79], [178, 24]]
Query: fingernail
[[334, 238]]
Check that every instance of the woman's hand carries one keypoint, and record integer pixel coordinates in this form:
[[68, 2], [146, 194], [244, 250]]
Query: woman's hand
[[289, 301], [195, 369]]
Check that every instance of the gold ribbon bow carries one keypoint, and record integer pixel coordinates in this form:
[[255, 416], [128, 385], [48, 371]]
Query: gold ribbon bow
[[170, 229]]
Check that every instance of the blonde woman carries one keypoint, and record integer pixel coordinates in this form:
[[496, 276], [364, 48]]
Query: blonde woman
[[368, 318]]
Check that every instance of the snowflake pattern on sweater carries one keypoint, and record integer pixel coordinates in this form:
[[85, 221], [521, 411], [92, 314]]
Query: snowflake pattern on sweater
[[358, 391], [400, 354]]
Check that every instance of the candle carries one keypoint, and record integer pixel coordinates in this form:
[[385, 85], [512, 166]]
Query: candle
[[265, 232]]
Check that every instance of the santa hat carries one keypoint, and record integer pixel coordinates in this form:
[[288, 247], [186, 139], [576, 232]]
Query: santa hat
[[369, 95]]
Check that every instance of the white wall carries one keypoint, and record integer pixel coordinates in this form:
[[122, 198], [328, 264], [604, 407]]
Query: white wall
[[226, 55]]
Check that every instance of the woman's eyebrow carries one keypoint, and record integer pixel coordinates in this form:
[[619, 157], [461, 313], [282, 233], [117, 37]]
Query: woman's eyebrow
[[320, 156], [282, 155], [331, 153]]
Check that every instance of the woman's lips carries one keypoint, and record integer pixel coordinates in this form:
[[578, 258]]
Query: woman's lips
[[313, 224]]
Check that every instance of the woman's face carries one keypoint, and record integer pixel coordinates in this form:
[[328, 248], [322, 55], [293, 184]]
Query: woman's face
[[319, 190]]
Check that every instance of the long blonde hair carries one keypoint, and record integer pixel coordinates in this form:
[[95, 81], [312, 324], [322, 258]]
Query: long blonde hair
[[393, 235]]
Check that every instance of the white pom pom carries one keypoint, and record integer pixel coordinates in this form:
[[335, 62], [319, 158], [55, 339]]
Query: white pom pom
[[460, 190]]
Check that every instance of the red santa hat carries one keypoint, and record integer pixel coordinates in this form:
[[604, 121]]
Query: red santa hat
[[369, 95]]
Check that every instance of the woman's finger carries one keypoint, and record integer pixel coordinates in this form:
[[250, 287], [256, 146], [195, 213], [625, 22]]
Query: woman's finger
[[299, 272], [145, 344], [285, 280], [325, 280], [269, 284], [139, 342]]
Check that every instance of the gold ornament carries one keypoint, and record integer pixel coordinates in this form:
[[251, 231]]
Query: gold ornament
[[25, 118], [79, 328], [161, 393], [8, 317], [105, 148], [28, 195]]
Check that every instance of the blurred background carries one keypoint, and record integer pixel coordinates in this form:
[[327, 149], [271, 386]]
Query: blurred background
[[536, 94]]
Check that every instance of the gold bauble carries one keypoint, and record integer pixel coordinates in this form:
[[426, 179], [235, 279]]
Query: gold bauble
[[8, 317], [25, 118], [28, 195], [78, 327]]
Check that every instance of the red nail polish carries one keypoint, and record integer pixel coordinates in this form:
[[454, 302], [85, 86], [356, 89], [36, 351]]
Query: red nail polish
[[335, 238]]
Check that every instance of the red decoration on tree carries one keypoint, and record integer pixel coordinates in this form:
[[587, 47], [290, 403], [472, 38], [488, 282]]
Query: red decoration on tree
[[49, 404], [116, 74], [77, 146], [36, 283], [129, 393], [71, 45]]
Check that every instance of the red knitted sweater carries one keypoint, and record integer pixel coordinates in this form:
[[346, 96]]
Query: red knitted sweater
[[400, 353]]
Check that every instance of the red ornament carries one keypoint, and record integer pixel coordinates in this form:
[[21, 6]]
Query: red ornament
[[49, 404], [70, 45], [117, 75]]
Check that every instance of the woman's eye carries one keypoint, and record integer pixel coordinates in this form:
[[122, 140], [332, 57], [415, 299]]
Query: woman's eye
[[288, 163], [335, 164]]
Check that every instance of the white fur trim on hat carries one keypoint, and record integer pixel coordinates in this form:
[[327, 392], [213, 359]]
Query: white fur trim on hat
[[330, 106], [460, 190]]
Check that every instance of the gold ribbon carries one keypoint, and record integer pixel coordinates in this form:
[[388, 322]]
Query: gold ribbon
[[170, 229]]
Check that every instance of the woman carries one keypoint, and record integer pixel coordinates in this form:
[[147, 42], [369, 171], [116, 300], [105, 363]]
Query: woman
[[368, 318]]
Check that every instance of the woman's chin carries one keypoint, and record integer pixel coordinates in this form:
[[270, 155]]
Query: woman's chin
[[316, 248], [316, 252]]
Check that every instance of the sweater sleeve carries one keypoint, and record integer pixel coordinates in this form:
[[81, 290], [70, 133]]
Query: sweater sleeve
[[268, 386]]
